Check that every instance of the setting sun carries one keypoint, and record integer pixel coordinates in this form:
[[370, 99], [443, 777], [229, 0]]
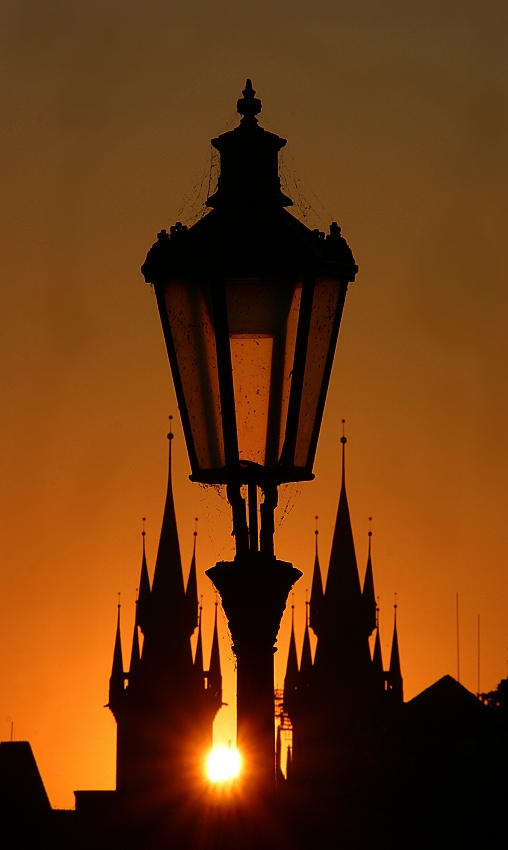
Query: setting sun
[[223, 764]]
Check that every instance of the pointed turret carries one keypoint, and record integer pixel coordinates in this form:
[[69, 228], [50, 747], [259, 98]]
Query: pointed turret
[[165, 715], [191, 592], [343, 580], [306, 659], [394, 678], [167, 586], [343, 655], [167, 641], [316, 594], [117, 678], [143, 606], [377, 660], [198, 658], [215, 672], [368, 594], [135, 653], [291, 677]]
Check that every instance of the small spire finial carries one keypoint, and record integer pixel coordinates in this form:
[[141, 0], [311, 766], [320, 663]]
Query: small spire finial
[[395, 601], [170, 435], [370, 526], [119, 603], [343, 440], [143, 531], [249, 106]]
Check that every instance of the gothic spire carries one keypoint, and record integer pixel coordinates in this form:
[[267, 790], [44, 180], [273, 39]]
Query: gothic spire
[[343, 654], [395, 684], [166, 648], [191, 592], [167, 599], [368, 595], [143, 603], [198, 658], [343, 583], [135, 653], [377, 659], [306, 659], [316, 594], [291, 677], [215, 673], [117, 678]]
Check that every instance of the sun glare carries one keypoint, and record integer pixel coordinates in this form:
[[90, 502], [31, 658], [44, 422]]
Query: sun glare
[[223, 764]]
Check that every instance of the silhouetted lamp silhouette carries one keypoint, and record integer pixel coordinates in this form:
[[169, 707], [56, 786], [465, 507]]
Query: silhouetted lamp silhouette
[[250, 301]]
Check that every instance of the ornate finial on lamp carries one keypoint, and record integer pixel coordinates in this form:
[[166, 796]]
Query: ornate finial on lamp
[[248, 105]]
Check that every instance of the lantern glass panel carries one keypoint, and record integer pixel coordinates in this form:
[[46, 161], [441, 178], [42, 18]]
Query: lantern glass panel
[[263, 319], [322, 336], [188, 305]]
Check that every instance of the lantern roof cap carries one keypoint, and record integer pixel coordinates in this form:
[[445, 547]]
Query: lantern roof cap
[[249, 172], [248, 232]]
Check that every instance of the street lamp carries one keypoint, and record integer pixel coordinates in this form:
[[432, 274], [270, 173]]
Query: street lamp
[[250, 301]]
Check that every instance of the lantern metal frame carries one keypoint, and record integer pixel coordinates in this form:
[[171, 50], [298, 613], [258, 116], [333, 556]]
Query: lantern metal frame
[[249, 235]]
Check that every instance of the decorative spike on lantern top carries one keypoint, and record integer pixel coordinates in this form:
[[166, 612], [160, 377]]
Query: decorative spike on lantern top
[[249, 106]]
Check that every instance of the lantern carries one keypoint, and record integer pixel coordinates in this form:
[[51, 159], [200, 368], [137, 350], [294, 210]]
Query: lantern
[[250, 301]]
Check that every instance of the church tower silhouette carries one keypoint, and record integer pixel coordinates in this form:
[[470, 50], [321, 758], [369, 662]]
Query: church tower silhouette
[[165, 704], [336, 702]]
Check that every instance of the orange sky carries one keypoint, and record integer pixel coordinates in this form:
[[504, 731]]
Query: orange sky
[[397, 121]]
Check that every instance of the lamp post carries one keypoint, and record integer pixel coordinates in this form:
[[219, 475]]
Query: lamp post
[[250, 301]]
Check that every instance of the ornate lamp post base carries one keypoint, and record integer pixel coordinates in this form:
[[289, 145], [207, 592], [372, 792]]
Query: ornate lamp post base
[[254, 589]]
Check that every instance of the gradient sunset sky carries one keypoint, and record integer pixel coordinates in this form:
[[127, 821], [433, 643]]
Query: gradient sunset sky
[[396, 116]]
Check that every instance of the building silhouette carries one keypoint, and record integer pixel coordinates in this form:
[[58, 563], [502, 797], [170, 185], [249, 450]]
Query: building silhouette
[[372, 769], [165, 703], [364, 767], [336, 701]]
